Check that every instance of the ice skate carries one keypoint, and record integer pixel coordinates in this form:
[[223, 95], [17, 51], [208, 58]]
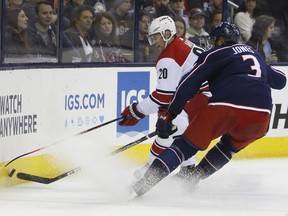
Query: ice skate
[[185, 172], [188, 177], [132, 194], [138, 174], [190, 182], [146, 183], [141, 187], [150, 179]]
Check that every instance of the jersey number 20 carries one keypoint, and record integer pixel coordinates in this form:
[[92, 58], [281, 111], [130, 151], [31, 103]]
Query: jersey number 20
[[163, 73]]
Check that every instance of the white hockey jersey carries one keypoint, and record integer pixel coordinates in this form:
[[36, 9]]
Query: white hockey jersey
[[173, 63]]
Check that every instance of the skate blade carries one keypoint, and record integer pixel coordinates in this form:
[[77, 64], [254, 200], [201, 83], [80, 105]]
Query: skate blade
[[133, 196]]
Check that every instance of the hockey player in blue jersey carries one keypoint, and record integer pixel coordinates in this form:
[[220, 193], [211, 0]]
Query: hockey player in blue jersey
[[238, 112]]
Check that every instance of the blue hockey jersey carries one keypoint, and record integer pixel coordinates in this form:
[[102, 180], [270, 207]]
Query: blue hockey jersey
[[237, 75]]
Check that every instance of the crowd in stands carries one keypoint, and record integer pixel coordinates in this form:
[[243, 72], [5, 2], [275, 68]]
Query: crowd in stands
[[104, 30], [199, 16]]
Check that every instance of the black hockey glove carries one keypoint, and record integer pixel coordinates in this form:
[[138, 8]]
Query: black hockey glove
[[164, 126], [131, 116]]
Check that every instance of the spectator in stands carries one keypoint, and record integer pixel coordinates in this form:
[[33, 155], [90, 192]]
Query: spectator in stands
[[98, 5], [42, 33], [195, 4], [14, 3], [217, 5], [16, 43], [260, 38], [279, 10], [180, 27], [160, 8], [146, 3], [123, 14], [198, 34], [78, 33], [245, 18], [70, 7], [105, 40], [69, 53], [178, 7], [29, 9], [146, 52], [214, 5], [215, 18], [65, 22]]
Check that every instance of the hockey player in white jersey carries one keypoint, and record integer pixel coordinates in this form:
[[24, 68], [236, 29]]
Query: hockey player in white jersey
[[177, 58]]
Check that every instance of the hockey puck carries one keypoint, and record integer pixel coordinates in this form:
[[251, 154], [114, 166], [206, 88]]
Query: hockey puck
[[12, 173]]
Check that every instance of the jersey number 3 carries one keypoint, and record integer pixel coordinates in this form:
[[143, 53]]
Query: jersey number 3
[[255, 67]]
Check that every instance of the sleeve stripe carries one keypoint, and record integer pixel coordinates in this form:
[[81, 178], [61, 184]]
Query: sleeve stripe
[[165, 92], [160, 98]]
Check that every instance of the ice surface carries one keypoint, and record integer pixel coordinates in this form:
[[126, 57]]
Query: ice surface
[[244, 187]]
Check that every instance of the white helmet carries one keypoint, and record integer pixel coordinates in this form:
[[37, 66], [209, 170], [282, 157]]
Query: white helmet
[[160, 25]]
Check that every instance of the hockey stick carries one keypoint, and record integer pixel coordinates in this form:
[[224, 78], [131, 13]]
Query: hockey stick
[[129, 145], [80, 133], [224, 10], [142, 139], [44, 180]]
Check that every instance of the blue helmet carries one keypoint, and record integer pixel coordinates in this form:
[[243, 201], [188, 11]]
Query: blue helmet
[[225, 32]]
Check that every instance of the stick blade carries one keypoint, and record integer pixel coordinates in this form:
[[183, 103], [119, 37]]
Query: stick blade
[[44, 180], [34, 178]]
